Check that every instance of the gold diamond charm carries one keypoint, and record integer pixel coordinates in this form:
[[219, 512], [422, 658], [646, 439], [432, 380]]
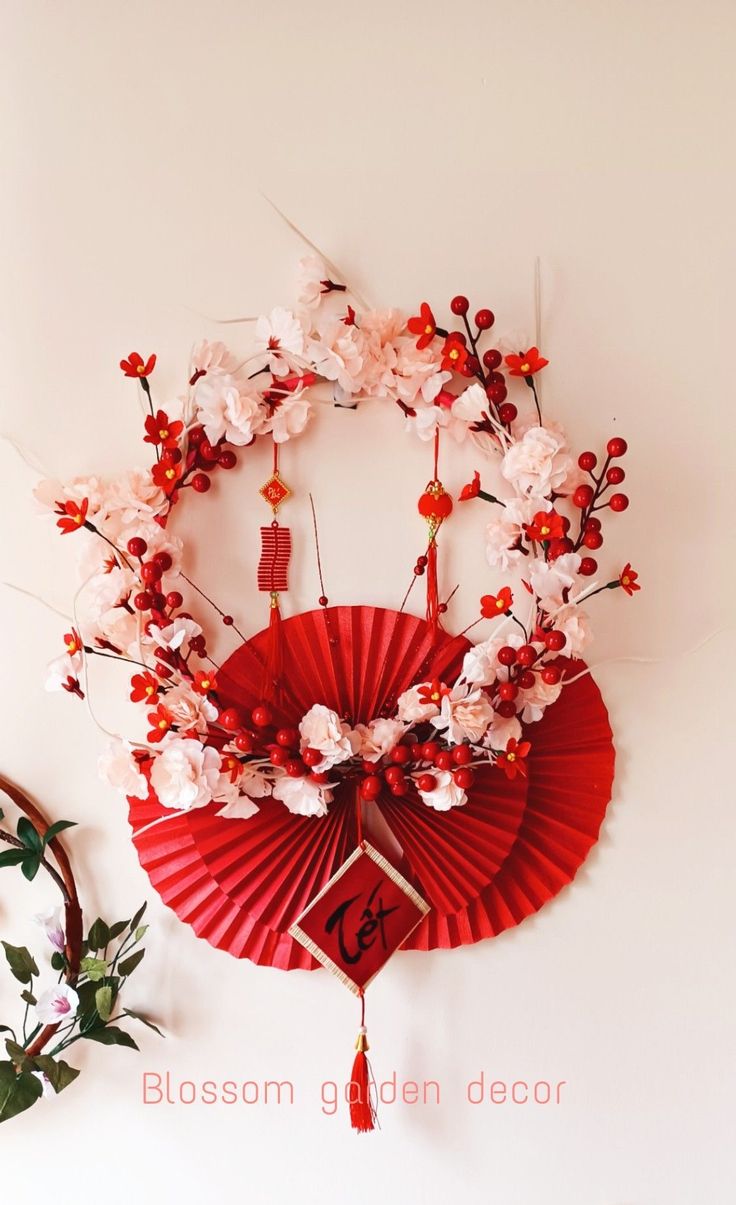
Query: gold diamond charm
[[275, 491]]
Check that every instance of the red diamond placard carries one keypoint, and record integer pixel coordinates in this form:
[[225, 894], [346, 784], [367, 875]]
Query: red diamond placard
[[360, 918], [275, 492]]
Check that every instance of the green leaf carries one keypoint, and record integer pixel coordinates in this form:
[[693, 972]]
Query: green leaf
[[58, 961], [137, 918], [117, 928], [140, 932], [28, 997], [29, 835], [13, 857], [17, 1092], [128, 965], [5, 1029], [54, 829], [21, 962], [139, 1017], [99, 935], [103, 1002], [16, 1053], [95, 968], [30, 866], [111, 1036], [57, 1072]]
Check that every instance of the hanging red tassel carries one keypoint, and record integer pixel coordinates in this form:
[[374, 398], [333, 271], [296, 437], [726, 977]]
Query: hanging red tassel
[[433, 600], [361, 1093], [274, 656]]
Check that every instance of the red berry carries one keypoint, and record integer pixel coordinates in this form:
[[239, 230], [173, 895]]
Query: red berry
[[551, 674], [587, 461], [173, 600], [429, 750], [401, 754], [159, 618], [158, 602], [506, 708], [588, 566], [558, 547], [422, 560], [201, 483], [288, 737], [508, 691], [208, 451], [278, 756], [311, 757], [496, 394], [615, 475], [462, 754], [526, 655], [143, 601], [164, 671], [370, 787], [323, 600], [507, 655], [492, 358], [399, 788], [426, 782], [321, 775], [485, 319], [508, 412], [262, 716], [295, 767], [137, 546], [464, 778], [592, 523], [617, 447], [227, 459], [471, 366], [196, 435], [164, 561], [555, 641], [592, 540], [418, 570], [228, 621], [618, 502], [150, 573], [394, 774], [526, 680], [583, 496], [231, 719], [443, 760], [244, 742], [459, 305]]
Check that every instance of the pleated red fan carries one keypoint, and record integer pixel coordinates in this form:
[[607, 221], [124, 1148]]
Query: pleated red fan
[[240, 884]]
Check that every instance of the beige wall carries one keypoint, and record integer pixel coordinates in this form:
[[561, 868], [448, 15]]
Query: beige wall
[[429, 149]]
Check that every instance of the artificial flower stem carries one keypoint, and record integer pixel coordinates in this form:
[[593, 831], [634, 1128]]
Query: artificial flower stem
[[532, 386], [213, 604]]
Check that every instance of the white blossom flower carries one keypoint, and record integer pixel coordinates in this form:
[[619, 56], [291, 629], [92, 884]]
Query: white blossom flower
[[63, 670], [501, 730], [465, 714], [537, 463], [188, 708], [532, 702], [378, 738], [56, 1004], [249, 786], [323, 730], [312, 270], [303, 796], [549, 579], [574, 623], [289, 417], [411, 709], [185, 774], [53, 926], [117, 767], [447, 794], [229, 408], [177, 634], [338, 356], [279, 335]]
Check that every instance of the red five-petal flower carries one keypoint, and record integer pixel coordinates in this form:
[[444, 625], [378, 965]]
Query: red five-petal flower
[[546, 525], [627, 579], [492, 605], [526, 363], [432, 692], [454, 353], [160, 720], [166, 474], [424, 326], [144, 688], [73, 517], [512, 761], [472, 489], [73, 642], [135, 366], [203, 682], [159, 430]]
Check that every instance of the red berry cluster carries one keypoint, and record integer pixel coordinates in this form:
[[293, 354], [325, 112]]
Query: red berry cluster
[[591, 497], [416, 760]]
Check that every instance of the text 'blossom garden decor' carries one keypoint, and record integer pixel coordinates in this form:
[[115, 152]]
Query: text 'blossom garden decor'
[[478, 774]]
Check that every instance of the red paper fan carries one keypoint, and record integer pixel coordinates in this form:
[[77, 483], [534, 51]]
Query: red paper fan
[[571, 766], [240, 884]]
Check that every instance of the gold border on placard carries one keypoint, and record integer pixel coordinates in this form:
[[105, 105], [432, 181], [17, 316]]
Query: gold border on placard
[[303, 938]]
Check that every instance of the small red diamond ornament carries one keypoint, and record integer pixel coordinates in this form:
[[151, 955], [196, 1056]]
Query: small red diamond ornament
[[275, 491]]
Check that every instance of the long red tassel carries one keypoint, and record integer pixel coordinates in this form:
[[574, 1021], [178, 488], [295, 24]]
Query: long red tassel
[[362, 1097], [433, 599], [274, 656]]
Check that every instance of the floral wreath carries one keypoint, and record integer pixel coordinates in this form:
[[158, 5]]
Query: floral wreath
[[200, 752], [83, 1001]]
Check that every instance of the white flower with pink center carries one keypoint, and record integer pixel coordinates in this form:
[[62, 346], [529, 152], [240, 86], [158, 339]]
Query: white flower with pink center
[[378, 738], [538, 463], [445, 795], [323, 730], [280, 337], [303, 796], [464, 715], [53, 926], [185, 774], [57, 1004]]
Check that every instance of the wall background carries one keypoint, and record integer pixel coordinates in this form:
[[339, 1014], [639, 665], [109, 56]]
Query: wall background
[[429, 149]]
